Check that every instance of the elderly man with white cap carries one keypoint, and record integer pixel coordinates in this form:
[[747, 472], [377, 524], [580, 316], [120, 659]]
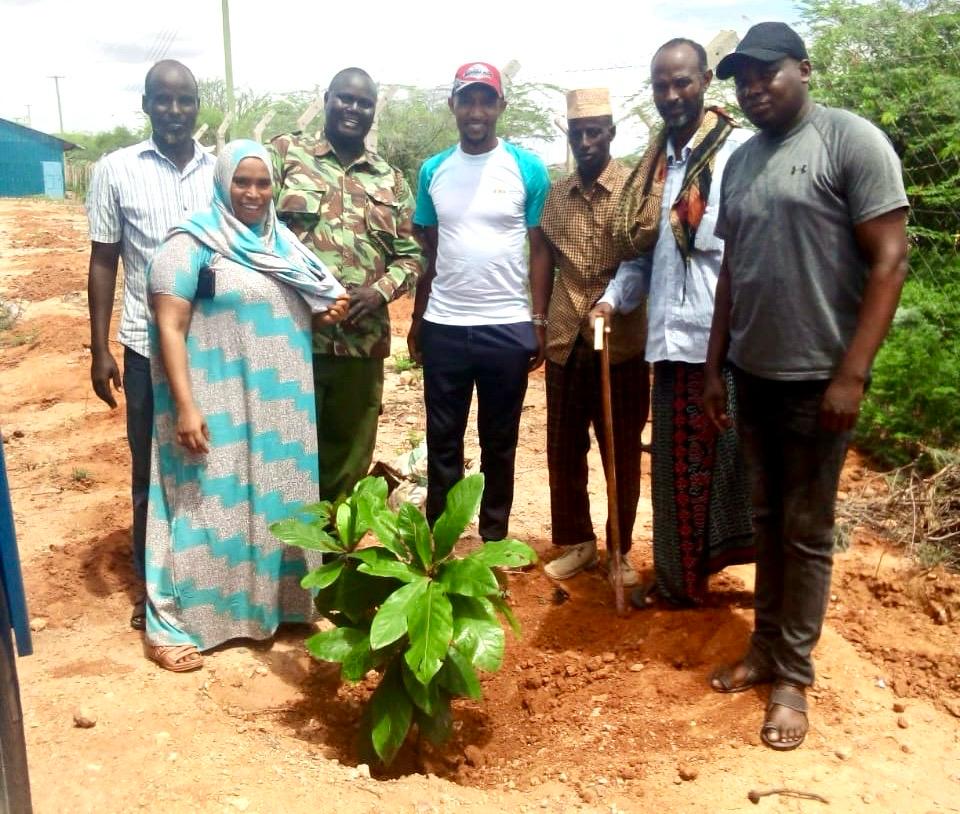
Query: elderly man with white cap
[[577, 221]]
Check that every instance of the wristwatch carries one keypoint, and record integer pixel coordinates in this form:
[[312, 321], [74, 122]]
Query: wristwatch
[[540, 320]]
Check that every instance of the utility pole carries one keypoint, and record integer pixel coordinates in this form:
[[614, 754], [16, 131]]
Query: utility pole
[[56, 82], [228, 60], [29, 118]]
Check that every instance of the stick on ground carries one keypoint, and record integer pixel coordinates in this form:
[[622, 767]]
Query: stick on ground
[[754, 795]]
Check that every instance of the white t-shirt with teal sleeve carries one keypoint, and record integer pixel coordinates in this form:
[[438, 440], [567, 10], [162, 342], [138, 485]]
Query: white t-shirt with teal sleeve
[[482, 206]]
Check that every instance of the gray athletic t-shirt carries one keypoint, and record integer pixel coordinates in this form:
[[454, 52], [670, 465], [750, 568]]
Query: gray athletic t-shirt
[[788, 205]]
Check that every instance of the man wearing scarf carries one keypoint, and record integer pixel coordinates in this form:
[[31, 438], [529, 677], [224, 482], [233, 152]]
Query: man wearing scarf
[[701, 517]]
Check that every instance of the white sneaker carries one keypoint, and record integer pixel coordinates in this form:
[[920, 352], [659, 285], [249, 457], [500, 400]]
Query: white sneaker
[[572, 561], [629, 574]]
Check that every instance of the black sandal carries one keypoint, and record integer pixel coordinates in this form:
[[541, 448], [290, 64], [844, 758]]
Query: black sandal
[[792, 696], [755, 674], [138, 619]]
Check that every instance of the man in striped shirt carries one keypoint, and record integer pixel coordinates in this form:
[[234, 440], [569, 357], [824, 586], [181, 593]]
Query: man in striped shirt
[[136, 196], [578, 220]]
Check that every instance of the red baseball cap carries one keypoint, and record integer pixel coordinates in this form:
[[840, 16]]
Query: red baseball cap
[[477, 73]]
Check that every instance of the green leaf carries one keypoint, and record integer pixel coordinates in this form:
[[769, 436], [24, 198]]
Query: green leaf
[[390, 623], [365, 506], [458, 675], [391, 713], [379, 562], [346, 525], [426, 697], [505, 554], [320, 511], [430, 627], [383, 523], [369, 496], [415, 532], [357, 595], [437, 726], [467, 577], [463, 502], [305, 535], [500, 604], [477, 633], [374, 489], [323, 576], [334, 645], [356, 663]]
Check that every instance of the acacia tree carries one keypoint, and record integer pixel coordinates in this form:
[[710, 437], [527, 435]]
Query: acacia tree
[[896, 63], [413, 125], [250, 108], [94, 145], [416, 123]]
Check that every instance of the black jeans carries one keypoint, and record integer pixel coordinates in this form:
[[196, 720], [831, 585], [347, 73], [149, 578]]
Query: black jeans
[[138, 391], [495, 359], [794, 467]]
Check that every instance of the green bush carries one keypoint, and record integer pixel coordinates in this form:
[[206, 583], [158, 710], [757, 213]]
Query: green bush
[[912, 406], [425, 619]]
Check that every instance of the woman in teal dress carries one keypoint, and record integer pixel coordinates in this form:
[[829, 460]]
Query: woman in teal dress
[[233, 293]]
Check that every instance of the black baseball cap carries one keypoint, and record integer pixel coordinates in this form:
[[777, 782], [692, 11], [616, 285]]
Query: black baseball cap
[[764, 42]]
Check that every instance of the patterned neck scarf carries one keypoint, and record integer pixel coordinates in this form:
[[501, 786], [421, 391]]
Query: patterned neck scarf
[[637, 223], [269, 247]]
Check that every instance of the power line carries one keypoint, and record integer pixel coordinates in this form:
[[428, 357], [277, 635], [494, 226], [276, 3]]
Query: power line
[[170, 41], [161, 44], [155, 48]]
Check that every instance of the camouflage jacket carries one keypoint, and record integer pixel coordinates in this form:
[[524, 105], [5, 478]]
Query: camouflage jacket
[[359, 221]]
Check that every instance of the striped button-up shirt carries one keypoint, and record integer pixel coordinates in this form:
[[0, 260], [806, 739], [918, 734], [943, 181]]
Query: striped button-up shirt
[[136, 196], [579, 226]]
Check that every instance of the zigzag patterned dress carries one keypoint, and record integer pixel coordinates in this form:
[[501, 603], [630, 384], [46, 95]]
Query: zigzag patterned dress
[[214, 571]]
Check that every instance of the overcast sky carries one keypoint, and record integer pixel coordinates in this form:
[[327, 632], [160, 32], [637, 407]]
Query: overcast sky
[[103, 49]]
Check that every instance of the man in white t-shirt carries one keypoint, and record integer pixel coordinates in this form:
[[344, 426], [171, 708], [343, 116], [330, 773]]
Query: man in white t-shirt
[[480, 314]]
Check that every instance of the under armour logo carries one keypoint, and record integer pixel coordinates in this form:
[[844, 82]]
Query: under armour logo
[[802, 169]]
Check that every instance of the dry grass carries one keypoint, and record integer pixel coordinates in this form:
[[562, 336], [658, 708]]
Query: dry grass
[[920, 513]]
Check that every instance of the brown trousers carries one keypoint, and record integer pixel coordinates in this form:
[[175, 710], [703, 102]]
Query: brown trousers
[[573, 404]]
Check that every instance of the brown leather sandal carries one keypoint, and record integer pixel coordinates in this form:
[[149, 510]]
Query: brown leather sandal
[[178, 658]]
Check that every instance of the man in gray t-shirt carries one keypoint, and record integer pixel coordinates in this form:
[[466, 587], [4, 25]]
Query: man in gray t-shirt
[[813, 212]]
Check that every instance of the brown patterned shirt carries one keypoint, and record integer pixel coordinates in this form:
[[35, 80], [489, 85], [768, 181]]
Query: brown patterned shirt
[[359, 221], [578, 225]]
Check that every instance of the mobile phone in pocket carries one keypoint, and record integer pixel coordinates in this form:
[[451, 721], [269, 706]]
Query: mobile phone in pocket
[[206, 284]]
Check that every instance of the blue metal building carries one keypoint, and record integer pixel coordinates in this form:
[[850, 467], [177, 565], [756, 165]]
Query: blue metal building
[[31, 162]]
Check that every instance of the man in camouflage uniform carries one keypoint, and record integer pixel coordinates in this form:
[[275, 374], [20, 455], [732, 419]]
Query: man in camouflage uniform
[[354, 211]]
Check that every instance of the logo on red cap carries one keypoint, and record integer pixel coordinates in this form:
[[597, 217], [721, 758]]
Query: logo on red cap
[[477, 73]]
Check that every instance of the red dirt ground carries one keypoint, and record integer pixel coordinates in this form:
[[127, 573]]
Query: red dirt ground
[[591, 712]]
